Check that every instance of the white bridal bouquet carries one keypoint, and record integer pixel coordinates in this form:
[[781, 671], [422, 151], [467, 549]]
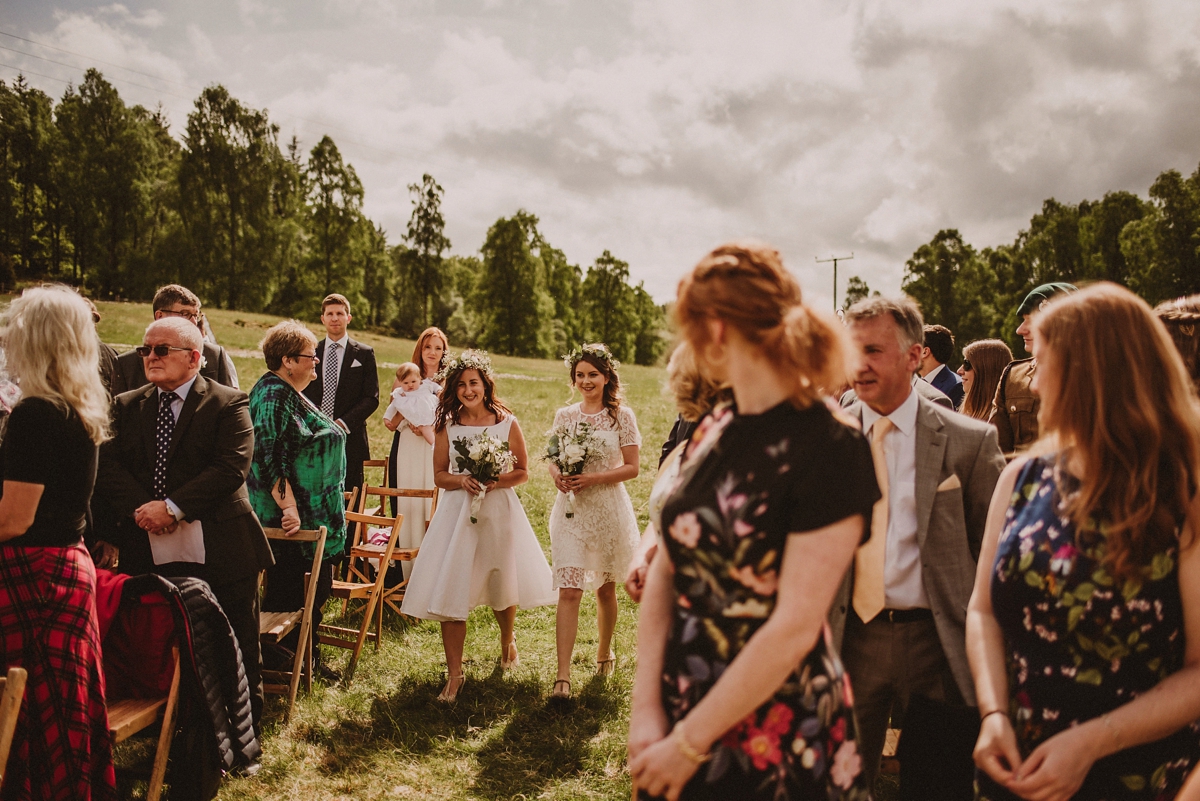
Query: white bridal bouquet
[[569, 448], [485, 458]]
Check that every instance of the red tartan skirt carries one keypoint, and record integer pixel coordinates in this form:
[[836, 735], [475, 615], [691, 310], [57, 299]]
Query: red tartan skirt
[[62, 749]]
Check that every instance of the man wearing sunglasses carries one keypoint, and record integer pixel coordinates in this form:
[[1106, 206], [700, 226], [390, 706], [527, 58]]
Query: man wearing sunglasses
[[180, 452], [175, 301]]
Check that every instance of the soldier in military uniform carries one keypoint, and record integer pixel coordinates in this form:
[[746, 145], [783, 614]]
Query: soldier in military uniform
[[1015, 407]]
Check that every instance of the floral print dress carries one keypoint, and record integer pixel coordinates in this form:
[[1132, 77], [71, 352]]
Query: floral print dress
[[1081, 642], [748, 482]]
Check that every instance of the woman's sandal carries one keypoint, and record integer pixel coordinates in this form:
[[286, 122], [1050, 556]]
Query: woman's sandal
[[605, 667], [448, 697], [509, 664], [560, 695]]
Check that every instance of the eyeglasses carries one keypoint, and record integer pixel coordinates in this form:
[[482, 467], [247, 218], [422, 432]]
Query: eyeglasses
[[160, 351], [193, 316], [312, 356], [966, 365]]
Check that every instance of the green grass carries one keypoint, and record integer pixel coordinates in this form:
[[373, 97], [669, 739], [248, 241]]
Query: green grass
[[385, 736]]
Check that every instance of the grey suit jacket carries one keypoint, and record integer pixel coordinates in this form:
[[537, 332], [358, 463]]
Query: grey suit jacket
[[949, 523]]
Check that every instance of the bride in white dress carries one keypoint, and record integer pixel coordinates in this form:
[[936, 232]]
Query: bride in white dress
[[592, 549], [495, 562]]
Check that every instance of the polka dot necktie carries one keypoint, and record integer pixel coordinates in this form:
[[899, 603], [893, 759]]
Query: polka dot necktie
[[329, 385], [163, 431]]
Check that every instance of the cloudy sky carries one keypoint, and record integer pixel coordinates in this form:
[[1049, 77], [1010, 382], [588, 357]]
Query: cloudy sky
[[659, 129]]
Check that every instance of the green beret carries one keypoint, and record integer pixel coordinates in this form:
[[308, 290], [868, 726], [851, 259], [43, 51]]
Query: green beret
[[1034, 300]]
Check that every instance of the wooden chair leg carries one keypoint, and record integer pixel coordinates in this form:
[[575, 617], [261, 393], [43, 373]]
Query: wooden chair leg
[[368, 614], [308, 660], [159, 771]]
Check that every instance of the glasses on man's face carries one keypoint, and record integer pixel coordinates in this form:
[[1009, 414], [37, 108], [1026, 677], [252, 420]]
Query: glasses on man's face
[[312, 356], [967, 366], [160, 351], [189, 315]]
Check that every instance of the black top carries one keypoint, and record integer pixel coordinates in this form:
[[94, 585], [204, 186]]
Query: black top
[[45, 445], [747, 484]]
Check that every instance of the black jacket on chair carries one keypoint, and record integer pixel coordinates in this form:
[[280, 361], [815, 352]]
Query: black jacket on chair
[[357, 399]]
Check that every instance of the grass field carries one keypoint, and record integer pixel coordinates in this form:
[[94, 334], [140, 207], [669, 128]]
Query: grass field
[[385, 736]]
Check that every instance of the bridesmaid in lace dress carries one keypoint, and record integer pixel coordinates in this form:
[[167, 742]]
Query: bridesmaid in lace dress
[[593, 548]]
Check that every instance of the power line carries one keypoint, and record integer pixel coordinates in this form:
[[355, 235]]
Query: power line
[[90, 58]]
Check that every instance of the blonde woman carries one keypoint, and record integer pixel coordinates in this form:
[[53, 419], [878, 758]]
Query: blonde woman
[[48, 624], [1084, 628]]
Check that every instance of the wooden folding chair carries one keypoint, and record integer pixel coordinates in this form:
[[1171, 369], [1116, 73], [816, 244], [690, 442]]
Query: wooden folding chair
[[394, 595], [12, 692], [368, 464], [128, 717], [352, 499], [359, 586], [274, 626]]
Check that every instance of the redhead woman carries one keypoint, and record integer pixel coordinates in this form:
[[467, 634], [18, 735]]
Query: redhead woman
[[983, 363], [739, 692]]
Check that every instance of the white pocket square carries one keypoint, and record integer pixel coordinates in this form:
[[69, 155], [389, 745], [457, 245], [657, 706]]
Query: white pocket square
[[949, 484], [356, 363]]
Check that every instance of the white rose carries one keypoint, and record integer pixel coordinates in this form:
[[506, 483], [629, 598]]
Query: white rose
[[475, 451], [574, 452]]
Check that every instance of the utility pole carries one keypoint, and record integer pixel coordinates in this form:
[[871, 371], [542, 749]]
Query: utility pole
[[835, 260]]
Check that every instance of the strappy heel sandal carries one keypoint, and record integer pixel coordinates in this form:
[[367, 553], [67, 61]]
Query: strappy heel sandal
[[509, 664], [448, 697], [557, 694], [605, 667]]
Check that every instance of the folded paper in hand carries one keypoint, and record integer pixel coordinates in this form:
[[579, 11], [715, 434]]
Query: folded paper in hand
[[185, 544]]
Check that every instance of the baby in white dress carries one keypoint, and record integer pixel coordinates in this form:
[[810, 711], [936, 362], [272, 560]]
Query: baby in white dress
[[412, 401]]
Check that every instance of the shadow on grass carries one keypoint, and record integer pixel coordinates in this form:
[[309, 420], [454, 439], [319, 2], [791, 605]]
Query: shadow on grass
[[544, 742]]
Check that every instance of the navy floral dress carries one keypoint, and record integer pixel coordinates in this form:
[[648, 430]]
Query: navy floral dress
[[747, 482], [1081, 643]]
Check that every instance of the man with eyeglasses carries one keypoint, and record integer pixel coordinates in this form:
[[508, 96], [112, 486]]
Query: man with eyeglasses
[[174, 474], [179, 302]]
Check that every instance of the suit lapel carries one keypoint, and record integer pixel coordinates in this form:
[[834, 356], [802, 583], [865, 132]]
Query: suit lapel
[[931, 451], [348, 357], [187, 413], [149, 423]]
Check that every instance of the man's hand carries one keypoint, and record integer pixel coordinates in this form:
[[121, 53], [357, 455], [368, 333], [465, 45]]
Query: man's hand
[[153, 516]]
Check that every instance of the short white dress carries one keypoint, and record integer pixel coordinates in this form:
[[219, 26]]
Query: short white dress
[[412, 468], [595, 546], [496, 562]]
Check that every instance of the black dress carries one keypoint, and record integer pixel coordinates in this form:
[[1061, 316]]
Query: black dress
[[747, 484]]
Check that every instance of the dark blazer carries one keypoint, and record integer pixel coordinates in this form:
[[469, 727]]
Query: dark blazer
[[958, 462], [108, 366], [357, 398], [207, 464], [950, 384], [131, 372]]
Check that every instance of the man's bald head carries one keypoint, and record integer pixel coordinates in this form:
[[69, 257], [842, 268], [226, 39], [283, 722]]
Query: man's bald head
[[185, 333]]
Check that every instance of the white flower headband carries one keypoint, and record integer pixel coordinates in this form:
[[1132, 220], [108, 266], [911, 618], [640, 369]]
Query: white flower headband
[[595, 350], [467, 360]]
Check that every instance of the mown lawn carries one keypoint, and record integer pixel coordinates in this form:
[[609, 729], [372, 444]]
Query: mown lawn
[[385, 736]]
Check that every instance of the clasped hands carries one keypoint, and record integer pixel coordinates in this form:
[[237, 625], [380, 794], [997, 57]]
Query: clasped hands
[[155, 517], [1054, 771], [472, 485], [656, 763], [565, 484]]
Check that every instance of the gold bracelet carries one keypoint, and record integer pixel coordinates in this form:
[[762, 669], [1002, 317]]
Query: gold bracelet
[[1112, 729], [685, 747]]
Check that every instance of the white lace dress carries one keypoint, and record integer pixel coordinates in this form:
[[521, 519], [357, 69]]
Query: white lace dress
[[594, 547], [494, 562]]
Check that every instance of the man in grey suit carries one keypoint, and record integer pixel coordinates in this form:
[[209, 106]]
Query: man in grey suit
[[900, 618]]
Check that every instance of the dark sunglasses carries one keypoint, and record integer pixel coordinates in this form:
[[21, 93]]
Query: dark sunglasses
[[966, 365], [304, 356], [160, 351]]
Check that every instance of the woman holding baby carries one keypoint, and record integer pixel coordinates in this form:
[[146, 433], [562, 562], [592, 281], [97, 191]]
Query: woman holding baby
[[410, 416]]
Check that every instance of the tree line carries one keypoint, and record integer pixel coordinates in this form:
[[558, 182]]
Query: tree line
[[1151, 246], [100, 194]]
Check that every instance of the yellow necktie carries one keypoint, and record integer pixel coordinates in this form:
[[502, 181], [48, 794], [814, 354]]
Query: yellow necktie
[[869, 559]]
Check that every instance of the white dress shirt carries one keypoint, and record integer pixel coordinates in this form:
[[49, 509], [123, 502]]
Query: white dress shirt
[[181, 393], [903, 584], [932, 374]]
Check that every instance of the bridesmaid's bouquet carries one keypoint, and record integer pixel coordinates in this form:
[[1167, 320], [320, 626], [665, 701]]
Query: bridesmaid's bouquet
[[569, 448], [484, 457]]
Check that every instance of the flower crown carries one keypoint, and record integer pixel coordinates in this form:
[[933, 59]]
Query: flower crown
[[467, 360], [596, 350]]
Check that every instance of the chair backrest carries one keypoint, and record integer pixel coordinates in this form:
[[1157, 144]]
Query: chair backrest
[[352, 500], [361, 522], [401, 492], [12, 692], [304, 535], [379, 464]]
